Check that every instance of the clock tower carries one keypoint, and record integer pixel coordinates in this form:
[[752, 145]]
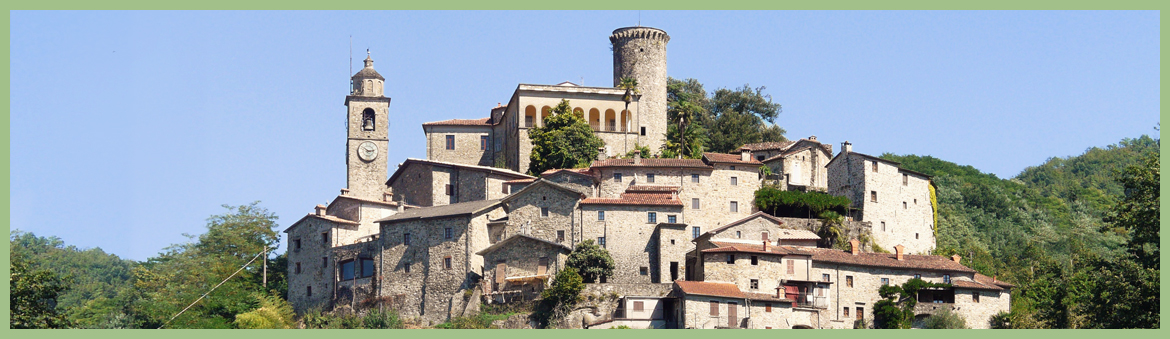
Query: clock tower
[[367, 126]]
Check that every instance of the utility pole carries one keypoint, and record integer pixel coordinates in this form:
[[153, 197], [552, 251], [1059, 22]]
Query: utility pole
[[265, 279]]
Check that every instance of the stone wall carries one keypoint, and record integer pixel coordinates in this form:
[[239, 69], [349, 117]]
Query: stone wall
[[521, 258], [629, 237], [416, 185], [673, 243], [901, 214], [525, 213], [314, 272], [696, 311], [467, 144], [367, 178], [714, 190], [640, 53]]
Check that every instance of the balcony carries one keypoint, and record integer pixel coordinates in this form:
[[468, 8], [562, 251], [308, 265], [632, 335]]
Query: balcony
[[808, 300]]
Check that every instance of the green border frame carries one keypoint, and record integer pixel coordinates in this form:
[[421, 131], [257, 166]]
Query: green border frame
[[531, 4]]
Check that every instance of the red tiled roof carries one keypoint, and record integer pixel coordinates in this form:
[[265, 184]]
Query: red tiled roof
[[460, 122], [520, 181], [911, 261], [650, 188], [964, 283], [651, 162], [986, 280], [642, 199], [729, 159], [715, 289], [763, 146], [746, 219], [729, 247]]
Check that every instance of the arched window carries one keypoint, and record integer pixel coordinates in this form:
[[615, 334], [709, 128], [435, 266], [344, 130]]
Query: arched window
[[368, 120], [529, 116], [611, 120], [595, 119], [625, 121], [544, 112], [579, 112]]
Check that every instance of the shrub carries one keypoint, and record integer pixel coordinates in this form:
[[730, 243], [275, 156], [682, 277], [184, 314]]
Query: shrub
[[590, 261], [945, 319]]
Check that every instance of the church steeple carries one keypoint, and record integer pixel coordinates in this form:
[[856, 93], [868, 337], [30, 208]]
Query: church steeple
[[367, 82], [368, 135]]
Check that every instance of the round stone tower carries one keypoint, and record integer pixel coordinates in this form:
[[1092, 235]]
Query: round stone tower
[[640, 53]]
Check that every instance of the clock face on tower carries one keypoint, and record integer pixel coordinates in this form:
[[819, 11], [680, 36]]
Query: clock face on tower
[[367, 151]]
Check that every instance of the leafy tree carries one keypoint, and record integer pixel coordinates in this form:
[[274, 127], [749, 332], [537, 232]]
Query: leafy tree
[[685, 137], [560, 298], [565, 141], [97, 280], [896, 309], [643, 149], [592, 261], [728, 118], [33, 299], [945, 319], [273, 313], [798, 204], [832, 227], [1138, 214]]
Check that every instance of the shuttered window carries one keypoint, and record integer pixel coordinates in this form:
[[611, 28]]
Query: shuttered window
[[714, 308]]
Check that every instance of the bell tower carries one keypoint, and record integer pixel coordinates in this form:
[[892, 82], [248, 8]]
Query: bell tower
[[367, 138]]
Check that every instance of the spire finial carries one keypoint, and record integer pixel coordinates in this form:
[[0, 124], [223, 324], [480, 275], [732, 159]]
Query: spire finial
[[369, 61]]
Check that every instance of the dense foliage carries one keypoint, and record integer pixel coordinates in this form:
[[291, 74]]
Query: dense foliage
[[374, 319], [798, 204], [1058, 232], [721, 121], [559, 299], [896, 309], [98, 282], [591, 261], [565, 141], [34, 293]]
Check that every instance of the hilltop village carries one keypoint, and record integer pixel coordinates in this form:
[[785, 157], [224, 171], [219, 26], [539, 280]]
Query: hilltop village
[[441, 235]]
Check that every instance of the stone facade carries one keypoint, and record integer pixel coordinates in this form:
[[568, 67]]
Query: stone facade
[[431, 183], [367, 126], [459, 143], [799, 165], [640, 53], [630, 237], [544, 210], [520, 266], [895, 201]]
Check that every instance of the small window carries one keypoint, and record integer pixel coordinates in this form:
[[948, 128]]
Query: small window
[[873, 196], [406, 239], [347, 270], [447, 262], [308, 291], [975, 297], [695, 178], [324, 261], [651, 217], [738, 234], [617, 177], [732, 168], [874, 165], [848, 281], [694, 203], [860, 313], [368, 120], [825, 277], [885, 281], [643, 130], [406, 267], [845, 311], [325, 238], [714, 308], [734, 207], [544, 212], [759, 158], [917, 276], [791, 266], [367, 268], [671, 219], [734, 181], [755, 260], [904, 205], [905, 179], [483, 142], [639, 305], [298, 268], [504, 188], [296, 244], [450, 190], [650, 177], [600, 215], [601, 241], [451, 142], [946, 278], [883, 225], [755, 284], [560, 236], [672, 241], [448, 233], [730, 258], [915, 236], [768, 308], [643, 270], [695, 232]]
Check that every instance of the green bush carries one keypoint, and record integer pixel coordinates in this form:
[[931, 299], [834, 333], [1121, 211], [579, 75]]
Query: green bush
[[274, 312], [798, 204], [945, 319], [560, 298], [591, 261]]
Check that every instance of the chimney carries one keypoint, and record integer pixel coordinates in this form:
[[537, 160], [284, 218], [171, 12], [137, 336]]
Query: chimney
[[637, 157], [386, 196], [344, 191], [846, 147], [401, 206], [812, 138], [601, 153], [956, 258], [745, 155], [320, 210], [766, 243], [854, 246], [899, 250]]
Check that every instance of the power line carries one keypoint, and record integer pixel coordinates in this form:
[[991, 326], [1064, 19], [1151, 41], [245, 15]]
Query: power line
[[213, 288]]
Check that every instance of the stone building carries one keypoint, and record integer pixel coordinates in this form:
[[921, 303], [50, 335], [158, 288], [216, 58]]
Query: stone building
[[520, 267], [799, 165], [895, 200], [420, 182], [622, 120]]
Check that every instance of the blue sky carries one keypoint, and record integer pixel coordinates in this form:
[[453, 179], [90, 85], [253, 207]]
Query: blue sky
[[129, 129]]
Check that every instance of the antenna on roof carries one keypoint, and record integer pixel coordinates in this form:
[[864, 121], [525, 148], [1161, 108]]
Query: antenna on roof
[[639, 18], [350, 63]]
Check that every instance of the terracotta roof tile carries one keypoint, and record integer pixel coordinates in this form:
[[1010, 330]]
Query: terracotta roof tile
[[520, 181], [986, 280], [766, 297], [911, 261], [714, 289], [964, 283], [460, 122], [641, 199], [651, 162], [729, 159], [729, 247], [651, 188], [764, 146], [746, 219]]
